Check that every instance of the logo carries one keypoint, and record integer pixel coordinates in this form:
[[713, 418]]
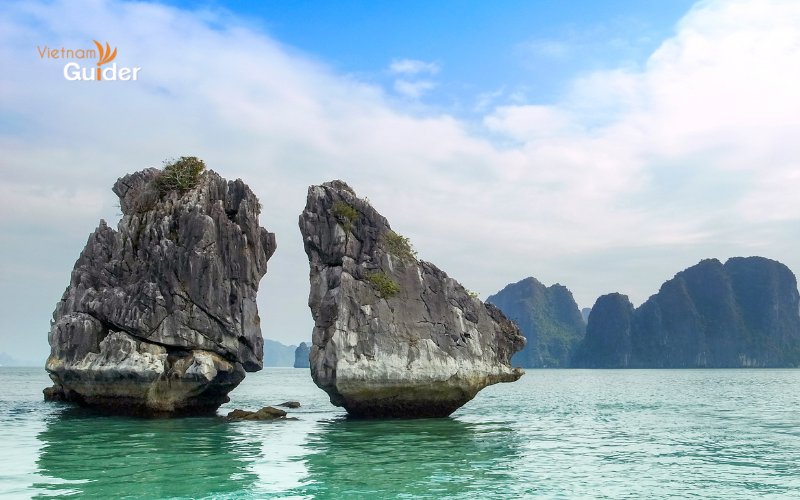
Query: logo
[[75, 72]]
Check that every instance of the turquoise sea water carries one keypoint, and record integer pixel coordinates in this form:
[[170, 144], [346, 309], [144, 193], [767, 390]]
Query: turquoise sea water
[[573, 434]]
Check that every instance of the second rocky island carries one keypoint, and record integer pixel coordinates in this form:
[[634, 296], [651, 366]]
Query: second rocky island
[[394, 336]]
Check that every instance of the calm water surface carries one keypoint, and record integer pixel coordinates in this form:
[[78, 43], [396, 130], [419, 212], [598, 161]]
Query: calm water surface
[[573, 434]]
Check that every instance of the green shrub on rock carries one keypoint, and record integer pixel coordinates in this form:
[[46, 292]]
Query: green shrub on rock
[[399, 246], [345, 213], [180, 175], [384, 284]]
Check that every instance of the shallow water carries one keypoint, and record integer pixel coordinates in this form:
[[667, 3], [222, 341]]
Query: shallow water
[[554, 434]]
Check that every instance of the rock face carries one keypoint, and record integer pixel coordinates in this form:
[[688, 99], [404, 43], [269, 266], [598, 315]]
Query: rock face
[[393, 336], [740, 314], [301, 356], [549, 319], [608, 334], [160, 316]]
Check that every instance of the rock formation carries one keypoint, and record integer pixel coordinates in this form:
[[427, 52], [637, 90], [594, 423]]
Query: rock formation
[[301, 356], [277, 354], [393, 336], [549, 319], [266, 413], [608, 340], [160, 316], [740, 314]]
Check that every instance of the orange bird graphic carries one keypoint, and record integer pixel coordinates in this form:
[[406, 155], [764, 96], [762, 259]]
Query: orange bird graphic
[[105, 56]]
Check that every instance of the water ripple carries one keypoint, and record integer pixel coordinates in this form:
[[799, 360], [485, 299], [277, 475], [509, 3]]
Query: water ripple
[[568, 434]]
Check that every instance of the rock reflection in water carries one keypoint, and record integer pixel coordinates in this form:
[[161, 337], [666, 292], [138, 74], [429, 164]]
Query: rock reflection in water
[[120, 457], [428, 458]]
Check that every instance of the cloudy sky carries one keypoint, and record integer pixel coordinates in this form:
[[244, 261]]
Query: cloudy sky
[[601, 145]]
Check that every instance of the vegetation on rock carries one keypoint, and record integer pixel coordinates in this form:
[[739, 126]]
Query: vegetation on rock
[[345, 214], [399, 246], [180, 175], [384, 284]]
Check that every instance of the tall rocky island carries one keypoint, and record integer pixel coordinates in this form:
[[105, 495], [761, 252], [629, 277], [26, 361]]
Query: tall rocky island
[[160, 316], [301, 356], [548, 317], [740, 314], [393, 336]]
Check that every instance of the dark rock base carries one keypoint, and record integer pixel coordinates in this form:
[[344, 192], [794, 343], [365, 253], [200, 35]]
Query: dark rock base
[[121, 405]]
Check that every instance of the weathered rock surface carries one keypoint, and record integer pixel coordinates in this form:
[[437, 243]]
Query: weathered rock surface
[[301, 356], [740, 314], [393, 336], [160, 316], [549, 319]]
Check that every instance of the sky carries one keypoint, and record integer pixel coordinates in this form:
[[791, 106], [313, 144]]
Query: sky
[[604, 146]]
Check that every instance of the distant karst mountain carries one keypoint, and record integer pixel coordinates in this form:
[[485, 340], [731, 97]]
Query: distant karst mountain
[[740, 314], [549, 319], [8, 360], [277, 354], [301, 355]]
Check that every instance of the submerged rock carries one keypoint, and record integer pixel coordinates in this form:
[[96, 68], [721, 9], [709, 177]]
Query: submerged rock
[[301, 356], [266, 413], [290, 404], [393, 336], [160, 316]]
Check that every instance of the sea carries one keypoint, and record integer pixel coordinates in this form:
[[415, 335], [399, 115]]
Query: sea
[[560, 434]]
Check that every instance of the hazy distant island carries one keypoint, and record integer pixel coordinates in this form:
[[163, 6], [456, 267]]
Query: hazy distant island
[[8, 360], [744, 313], [277, 354], [301, 356]]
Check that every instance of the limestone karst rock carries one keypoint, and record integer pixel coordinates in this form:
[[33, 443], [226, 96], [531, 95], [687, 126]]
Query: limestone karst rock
[[608, 333], [549, 319], [743, 313], [301, 356], [393, 336], [160, 316]]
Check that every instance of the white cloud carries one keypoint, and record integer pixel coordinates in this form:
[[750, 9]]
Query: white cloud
[[628, 180], [525, 123], [413, 90], [413, 67]]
